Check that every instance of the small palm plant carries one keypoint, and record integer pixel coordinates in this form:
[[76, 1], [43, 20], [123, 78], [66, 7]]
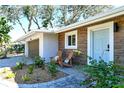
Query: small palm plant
[[52, 67]]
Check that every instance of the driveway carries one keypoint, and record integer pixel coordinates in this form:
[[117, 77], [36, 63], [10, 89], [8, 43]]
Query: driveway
[[71, 81], [11, 61]]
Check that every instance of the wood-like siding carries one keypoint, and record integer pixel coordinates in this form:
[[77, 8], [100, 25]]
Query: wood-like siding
[[82, 38]]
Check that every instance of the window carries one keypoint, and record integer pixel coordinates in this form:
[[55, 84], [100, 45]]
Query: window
[[71, 40]]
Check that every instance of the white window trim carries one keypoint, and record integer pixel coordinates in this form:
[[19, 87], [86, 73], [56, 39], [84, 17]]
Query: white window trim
[[66, 39], [111, 38]]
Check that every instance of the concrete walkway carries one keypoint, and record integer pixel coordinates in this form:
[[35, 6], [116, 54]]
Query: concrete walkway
[[11, 61], [71, 81]]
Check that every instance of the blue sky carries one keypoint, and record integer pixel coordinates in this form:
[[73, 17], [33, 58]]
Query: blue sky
[[17, 30]]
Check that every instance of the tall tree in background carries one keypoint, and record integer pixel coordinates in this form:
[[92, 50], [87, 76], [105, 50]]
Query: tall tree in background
[[37, 15], [74, 13], [28, 12], [13, 14], [41, 16], [4, 30], [50, 16]]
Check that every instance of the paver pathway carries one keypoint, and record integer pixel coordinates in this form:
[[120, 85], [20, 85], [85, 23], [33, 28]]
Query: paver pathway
[[71, 81]]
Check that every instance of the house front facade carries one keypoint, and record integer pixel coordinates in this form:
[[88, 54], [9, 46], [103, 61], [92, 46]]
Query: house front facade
[[40, 43], [101, 36]]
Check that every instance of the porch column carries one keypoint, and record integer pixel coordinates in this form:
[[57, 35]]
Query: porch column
[[26, 49], [41, 45]]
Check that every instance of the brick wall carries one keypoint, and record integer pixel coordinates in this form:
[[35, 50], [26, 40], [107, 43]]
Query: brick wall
[[82, 38]]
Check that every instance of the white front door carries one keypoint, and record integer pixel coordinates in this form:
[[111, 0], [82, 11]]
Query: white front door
[[100, 44]]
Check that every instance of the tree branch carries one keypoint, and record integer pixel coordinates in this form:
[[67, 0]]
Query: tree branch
[[36, 22], [21, 26]]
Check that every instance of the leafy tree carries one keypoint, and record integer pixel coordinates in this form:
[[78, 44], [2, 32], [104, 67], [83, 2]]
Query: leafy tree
[[4, 37], [50, 16], [37, 17], [4, 30], [47, 16], [74, 13], [13, 14], [29, 12], [16, 14]]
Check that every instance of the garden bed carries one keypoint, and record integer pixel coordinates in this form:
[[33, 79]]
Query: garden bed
[[39, 75]]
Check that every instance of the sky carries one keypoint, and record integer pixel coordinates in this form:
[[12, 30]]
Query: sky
[[18, 32]]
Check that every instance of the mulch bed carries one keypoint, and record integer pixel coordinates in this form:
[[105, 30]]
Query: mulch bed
[[39, 75]]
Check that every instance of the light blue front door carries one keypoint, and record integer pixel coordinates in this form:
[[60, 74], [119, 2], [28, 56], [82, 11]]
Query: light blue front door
[[100, 44]]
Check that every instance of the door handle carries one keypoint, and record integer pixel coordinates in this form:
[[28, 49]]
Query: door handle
[[108, 46]]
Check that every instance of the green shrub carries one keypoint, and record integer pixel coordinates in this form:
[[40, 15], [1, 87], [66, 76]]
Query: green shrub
[[10, 75], [26, 78], [52, 67], [77, 52], [118, 86], [30, 69], [18, 48], [19, 65], [39, 62], [5, 70], [103, 73], [3, 54]]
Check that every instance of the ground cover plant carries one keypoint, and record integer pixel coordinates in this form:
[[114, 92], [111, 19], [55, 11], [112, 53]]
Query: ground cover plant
[[39, 62], [30, 74], [52, 67], [19, 65], [30, 69], [102, 74], [25, 78], [10, 75]]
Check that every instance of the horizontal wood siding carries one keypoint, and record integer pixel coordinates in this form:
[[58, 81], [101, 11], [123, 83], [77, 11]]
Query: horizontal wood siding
[[82, 38], [119, 40], [82, 41]]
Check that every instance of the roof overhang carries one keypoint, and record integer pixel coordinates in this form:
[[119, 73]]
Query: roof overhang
[[100, 17], [33, 32]]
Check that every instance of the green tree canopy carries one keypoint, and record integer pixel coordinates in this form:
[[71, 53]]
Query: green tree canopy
[[49, 16], [4, 30]]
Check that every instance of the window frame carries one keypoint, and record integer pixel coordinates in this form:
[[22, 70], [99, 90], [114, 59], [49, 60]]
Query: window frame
[[66, 40]]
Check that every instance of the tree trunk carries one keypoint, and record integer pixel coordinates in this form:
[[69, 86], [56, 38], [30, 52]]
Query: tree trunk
[[30, 23], [21, 26], [36, 22], [51, 24]]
